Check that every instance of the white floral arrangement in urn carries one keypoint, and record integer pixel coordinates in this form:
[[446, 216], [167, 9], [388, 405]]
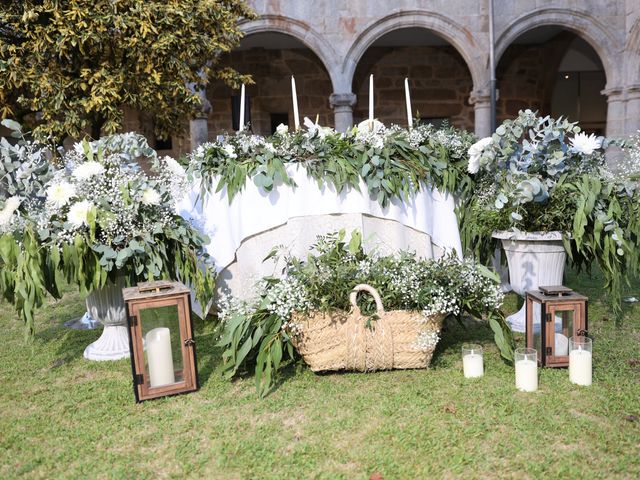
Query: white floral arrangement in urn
[[540, 174], [96, 216]]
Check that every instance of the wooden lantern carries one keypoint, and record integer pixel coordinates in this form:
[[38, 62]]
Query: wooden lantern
[[553, 315], [163, 355]]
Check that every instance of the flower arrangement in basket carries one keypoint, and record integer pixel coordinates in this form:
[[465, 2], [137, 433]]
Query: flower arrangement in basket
[[312, 311], [95, 216]]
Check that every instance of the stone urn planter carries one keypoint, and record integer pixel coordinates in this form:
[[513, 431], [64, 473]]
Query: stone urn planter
[[107, 306], [534, 259]]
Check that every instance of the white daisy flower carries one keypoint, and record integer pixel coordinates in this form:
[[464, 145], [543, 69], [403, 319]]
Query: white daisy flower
[[87, 170], [79, 212], [59, 194], [585, 144]]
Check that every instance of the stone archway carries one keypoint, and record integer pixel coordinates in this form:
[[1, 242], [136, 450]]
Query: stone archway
[[439, 79], [300, 31], [582, 24], [555, 71], [272, 58], [452, 32]]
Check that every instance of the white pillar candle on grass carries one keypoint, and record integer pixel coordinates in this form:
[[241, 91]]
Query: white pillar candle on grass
[[472, 361], [472, 365], [241, 128], [294, 95], [526, 360], [159, 357], [371, 102], [407, 97], [580, 361]]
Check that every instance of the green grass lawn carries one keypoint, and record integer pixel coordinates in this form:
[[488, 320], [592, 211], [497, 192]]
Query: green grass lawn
[[65, 417]]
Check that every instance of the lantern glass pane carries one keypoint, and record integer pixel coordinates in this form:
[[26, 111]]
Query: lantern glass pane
[[537, 334], [563, 331], [162, 345]]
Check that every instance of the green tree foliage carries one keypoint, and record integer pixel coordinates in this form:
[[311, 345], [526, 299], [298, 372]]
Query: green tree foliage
[[78, 63]]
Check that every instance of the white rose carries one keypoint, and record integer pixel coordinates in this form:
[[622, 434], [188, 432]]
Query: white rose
[[59, 194], [230, 150], [151, 197], [282, 129], [174, 167], [79, 212], [475, 152], [11, 204]]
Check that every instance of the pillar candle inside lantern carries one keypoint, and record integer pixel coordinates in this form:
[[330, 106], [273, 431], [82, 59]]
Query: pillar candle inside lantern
[[159, 356]]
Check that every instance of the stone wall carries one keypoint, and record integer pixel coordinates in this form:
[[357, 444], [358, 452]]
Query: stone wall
[[439, 81], [271, 93]]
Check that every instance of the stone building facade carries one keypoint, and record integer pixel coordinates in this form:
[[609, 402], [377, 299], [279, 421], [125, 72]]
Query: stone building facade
[[579, 58]]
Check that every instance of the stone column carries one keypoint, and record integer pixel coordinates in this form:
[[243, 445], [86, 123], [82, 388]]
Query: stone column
[[615, 111], [342, 104], [633, 110], [481, 101], [198, 127]]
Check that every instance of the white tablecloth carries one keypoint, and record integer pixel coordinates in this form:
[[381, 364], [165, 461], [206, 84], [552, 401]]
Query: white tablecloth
[[253, 211]]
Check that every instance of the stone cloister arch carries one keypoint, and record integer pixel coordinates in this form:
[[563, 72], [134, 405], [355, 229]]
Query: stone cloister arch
[[273, 49], [453, 33], [595, 33]]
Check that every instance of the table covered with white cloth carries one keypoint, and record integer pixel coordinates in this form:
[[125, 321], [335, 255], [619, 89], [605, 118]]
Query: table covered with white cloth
[[243, 232]]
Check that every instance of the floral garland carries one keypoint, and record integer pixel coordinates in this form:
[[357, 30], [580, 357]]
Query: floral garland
[[393, 162], [258, 331]]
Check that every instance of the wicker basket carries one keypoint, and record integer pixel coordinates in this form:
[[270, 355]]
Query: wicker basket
[[343, 341]]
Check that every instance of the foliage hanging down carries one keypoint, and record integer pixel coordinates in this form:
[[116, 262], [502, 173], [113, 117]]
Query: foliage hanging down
[[257, 333], [393, 162], [97, 217], [77, 63], [539, 174]]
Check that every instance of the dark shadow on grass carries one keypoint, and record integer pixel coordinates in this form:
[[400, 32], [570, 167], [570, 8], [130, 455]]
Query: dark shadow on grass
[[453, 335]]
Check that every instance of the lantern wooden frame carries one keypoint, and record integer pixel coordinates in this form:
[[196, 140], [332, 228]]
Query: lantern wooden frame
[[149, 295], [554, 300]]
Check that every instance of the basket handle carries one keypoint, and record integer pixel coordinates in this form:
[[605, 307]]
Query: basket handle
[[363, 287]]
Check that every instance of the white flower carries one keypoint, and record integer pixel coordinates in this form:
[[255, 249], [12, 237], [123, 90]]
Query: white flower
[[11, 204], [365, 126], [150, 197], [475, 152], [174, 167], [79, 212], [87, 170], [230, 150], [314, 129], [282, 129], [59, 194], [585, 144]]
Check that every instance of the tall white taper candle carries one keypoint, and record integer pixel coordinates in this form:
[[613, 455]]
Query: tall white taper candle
[[294, 95], [371, 102], [241, 109], [407, 96], [158, 343]]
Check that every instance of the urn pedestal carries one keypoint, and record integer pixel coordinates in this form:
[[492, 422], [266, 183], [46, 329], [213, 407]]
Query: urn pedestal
[[107, 306], [534, 259]]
